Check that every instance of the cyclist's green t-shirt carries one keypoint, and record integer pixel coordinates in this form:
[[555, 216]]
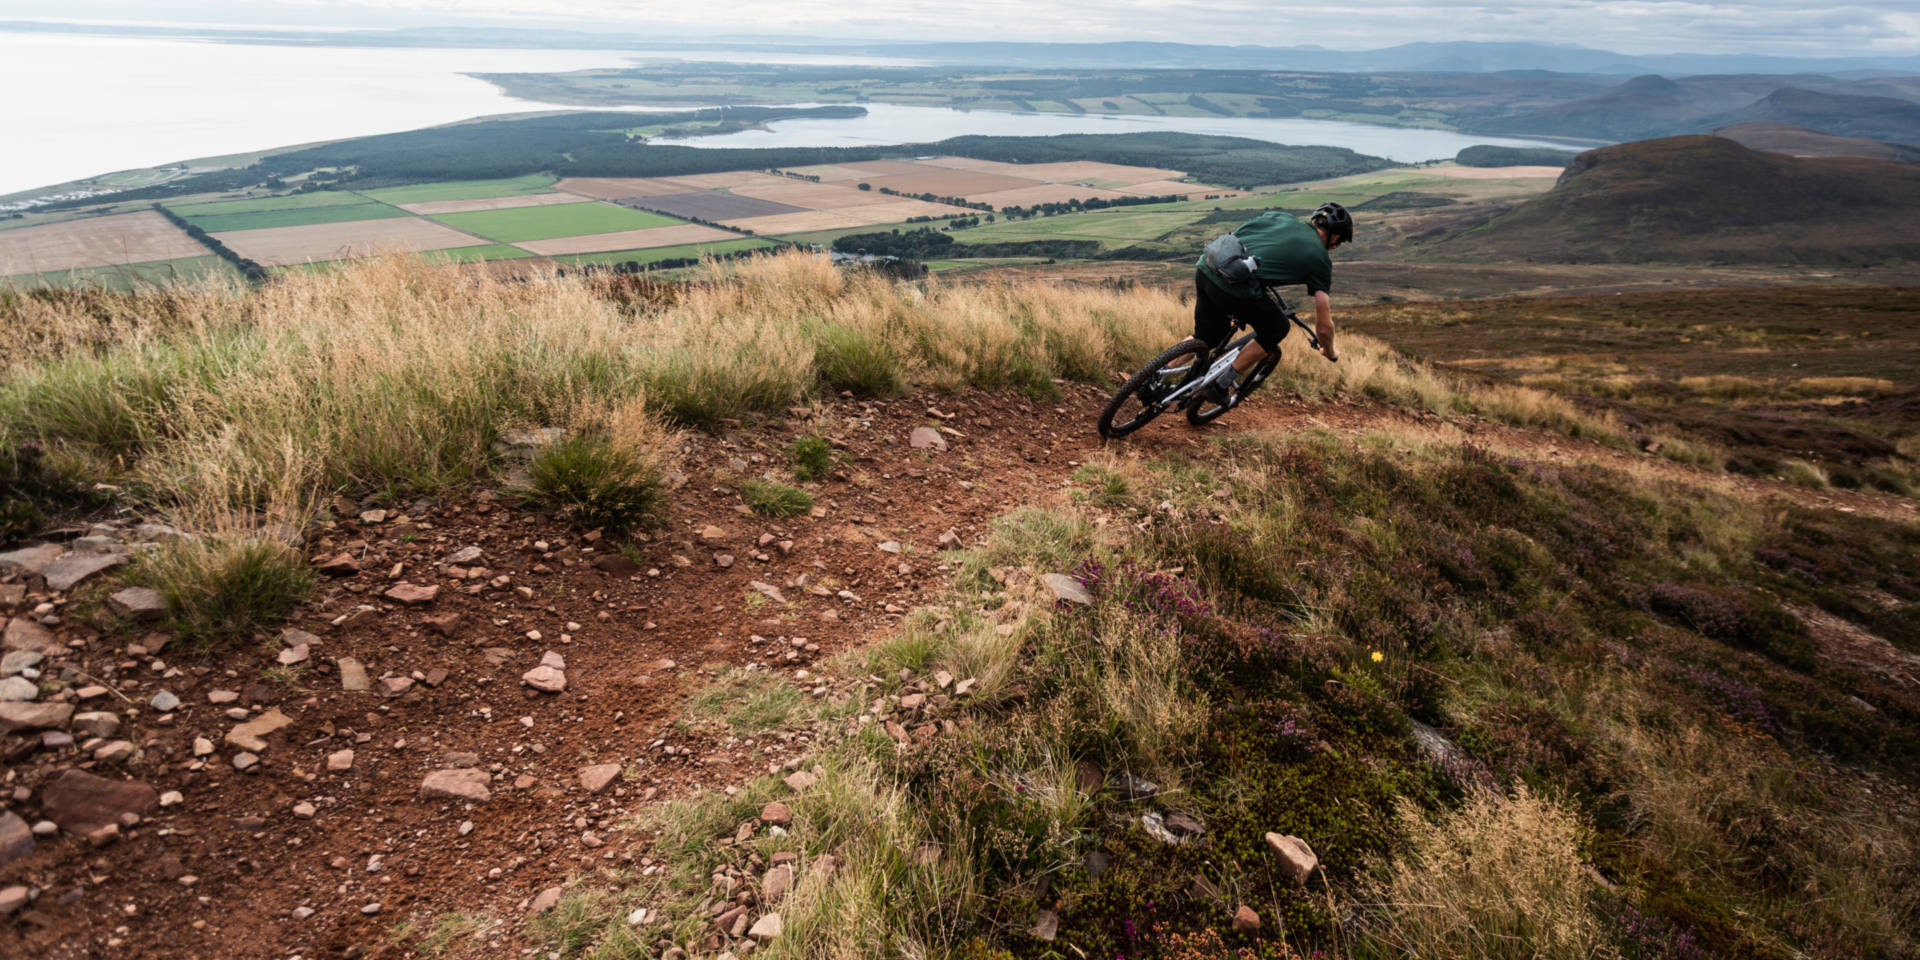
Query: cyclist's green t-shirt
[[1289, 250]]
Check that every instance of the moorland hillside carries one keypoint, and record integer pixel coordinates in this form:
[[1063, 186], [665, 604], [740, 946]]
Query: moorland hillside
[[1801, 141], [396, 610], [1704, 198]]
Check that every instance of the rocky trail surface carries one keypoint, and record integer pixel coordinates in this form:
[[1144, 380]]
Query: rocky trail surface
[[478, 699]]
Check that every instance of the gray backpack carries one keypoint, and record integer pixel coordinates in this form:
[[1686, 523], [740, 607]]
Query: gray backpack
[[1229, 258]]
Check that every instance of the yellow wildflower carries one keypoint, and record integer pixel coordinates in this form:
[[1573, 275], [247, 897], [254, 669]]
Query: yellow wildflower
[[1378, 656]]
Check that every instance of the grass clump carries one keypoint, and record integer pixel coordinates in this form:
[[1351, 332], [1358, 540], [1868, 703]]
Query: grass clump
[[771, 499], [811, 458], [593, 484], [223, 589], [1498, 877]]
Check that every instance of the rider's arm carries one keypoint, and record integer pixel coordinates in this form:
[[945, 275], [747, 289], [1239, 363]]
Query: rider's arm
[[1323, 324]]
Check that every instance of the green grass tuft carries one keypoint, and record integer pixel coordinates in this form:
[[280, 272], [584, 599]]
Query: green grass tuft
[[595, 485], [221, 590], [812, 458], [771, 499]]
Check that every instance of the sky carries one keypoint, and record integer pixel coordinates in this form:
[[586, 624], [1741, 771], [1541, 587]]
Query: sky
[[1777, 27]]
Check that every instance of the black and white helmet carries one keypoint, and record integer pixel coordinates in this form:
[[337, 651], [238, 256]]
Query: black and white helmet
[[1337, 221]]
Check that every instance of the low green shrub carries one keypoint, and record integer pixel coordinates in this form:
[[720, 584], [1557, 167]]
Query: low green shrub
[[771, 499], [592, 483], [224, 589], [811, 457]]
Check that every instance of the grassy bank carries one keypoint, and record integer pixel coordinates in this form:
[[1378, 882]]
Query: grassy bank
[[1517, 710]]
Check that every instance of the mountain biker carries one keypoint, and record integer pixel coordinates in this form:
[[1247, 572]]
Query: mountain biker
[[1285, 250]]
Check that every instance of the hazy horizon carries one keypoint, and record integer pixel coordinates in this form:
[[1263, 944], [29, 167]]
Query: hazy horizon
[[1629, 27]]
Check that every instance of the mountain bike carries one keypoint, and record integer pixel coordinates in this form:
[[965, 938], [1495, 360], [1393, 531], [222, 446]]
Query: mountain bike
[[1177, 378]]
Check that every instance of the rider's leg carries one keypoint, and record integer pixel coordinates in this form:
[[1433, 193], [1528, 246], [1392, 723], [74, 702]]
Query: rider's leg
[[1269, 328]]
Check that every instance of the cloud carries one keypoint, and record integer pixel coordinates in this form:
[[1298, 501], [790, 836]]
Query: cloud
[[1787, 27]]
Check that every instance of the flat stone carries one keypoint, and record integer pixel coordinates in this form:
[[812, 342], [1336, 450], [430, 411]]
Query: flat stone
[[546, 900], [1046, 925], [337, 565], [97, 723], [15, 661], [463, 784], [81, 803], [599, 776], [13, 898], [1297, 860], [245, 761], [1068, 589], [19, 689], [1245, 920], [218, 697], [248, 736], [775, 884], [927, 438], [546, 679], [1182, 825], [464, 556], [30, 559], [412, 594], [767, 928], [114, 752], [294, 636], [24, 715], [711, 533], [24, 634], [138, 603], [340, 760], [767, 590], [776, 814], [16, 838], [353, 674], [166, 701], [292, 655], [799, 781], [73, 568], [445, 624], [395, 686]]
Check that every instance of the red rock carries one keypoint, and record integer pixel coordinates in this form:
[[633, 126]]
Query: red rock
[[776, 814], [445, 624], [337, 565], [1245, 920], [1297, 860], [598, 777], [82, 803], [464, 784], [412, 594]]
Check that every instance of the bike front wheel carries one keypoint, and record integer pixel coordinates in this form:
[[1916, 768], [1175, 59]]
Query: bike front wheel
[[1143, 396]]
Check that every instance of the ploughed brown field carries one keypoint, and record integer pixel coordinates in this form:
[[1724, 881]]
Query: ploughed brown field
[[281, 246], [100, 242]]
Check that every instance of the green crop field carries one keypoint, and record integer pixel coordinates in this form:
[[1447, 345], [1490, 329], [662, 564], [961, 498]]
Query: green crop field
[[128, 277], [545, 223], [492, 251], [657, 254], [344, 213], [297, 201], [464, 190]]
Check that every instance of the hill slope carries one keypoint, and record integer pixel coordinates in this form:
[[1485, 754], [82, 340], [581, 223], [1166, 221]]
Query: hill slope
[[1799, 141], [1702, 198], [1875, 118]]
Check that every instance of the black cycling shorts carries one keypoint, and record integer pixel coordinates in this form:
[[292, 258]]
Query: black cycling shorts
[[1215, 309]]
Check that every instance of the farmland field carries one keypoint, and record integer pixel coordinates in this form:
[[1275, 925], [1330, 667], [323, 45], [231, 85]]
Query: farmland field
[[815, 196], [297, 201], [280, 246], [295, 217], [1117, 227], [431, 207], [491, 251], [546, 223], [130, 276], [656, 254], [464, 190], [716, 205], [674, 235], [140, 237], [620, 188]]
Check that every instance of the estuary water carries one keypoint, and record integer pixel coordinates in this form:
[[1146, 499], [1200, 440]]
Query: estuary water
[[81, 106]]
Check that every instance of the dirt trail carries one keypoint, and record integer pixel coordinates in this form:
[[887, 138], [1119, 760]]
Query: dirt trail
[[270, 877]]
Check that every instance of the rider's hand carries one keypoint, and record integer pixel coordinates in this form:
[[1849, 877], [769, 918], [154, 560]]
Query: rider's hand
[[1330, 353]]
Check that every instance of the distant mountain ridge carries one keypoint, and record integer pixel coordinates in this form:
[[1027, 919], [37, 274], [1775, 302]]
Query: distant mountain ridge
[[1655, 106], [1705, 198], [1429, 56], [1803, 142]]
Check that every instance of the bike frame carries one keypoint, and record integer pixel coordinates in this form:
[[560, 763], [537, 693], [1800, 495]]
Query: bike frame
[[1192, 387]]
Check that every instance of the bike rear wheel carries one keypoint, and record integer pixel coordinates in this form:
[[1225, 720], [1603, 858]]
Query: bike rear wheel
[[1140, 399], [1203, 412]]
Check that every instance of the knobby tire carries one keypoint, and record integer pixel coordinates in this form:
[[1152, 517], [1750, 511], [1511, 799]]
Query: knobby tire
[[1129, 391]]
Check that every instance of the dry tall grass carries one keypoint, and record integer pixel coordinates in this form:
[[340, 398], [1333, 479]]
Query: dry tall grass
[[1499, 877], [392, 374]]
